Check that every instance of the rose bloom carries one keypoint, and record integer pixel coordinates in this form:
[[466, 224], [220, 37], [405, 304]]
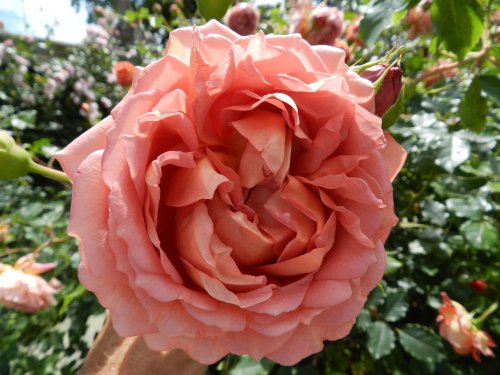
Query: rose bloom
[[124, 72], [482, 344], [22, 289], [352, 32], [455, 325], [242, 18], [320, 25], [237, 199], [418, 21], [443, 69]]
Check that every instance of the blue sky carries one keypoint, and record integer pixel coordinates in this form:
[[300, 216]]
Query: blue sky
[[36, 17]]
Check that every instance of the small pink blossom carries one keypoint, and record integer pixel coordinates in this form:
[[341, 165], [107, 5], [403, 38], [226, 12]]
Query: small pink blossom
[[242, 18], [22, 289]]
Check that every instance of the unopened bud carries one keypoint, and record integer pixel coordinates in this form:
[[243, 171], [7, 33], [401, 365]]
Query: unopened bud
[[478, 285], [390, 88], [15, 161]]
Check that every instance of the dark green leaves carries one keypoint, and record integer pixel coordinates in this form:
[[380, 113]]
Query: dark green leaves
[[395, 306], [421, 343], [381, 339], [377, 18], [459, 23], [473, 107]]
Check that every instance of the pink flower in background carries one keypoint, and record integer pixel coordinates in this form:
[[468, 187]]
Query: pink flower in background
[[482, 344], [456, 327], [352, 32], [242, 18], [319, 25], [22, 289], [237, 200], [445, 68], [124, 72], [418, 21]]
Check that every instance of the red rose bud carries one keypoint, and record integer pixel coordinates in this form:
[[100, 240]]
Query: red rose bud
[[388, 92], [124, 72], [243, 18], [478, 285]]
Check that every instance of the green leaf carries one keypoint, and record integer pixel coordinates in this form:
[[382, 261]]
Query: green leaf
[[490, 84], [473, 108], [459, 23], [421, 343], [381, 339], [213, 9], [248, 366], [377, 18], [395, 307], [364, 320], [392, 265], [481, 235], [454, 151]]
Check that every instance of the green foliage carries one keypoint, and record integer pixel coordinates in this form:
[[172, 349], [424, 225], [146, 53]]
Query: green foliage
[[473, 108], [459, 23], [421, 342], [381, 339]]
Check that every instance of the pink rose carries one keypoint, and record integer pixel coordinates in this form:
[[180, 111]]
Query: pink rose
[[455, 325], [22, 289], [482, 344], [237, 199], [242, 18], [418, 21], [320, 25]]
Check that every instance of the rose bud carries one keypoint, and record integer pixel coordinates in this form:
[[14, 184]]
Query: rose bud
[[242, 18], [388, 92], [22, 289], [15, 161], [481, 344], [327, 25], [124, 72], [455, 325], [478, 285]]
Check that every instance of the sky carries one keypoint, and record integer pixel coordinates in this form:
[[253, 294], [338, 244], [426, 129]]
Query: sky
[[36, 17]]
